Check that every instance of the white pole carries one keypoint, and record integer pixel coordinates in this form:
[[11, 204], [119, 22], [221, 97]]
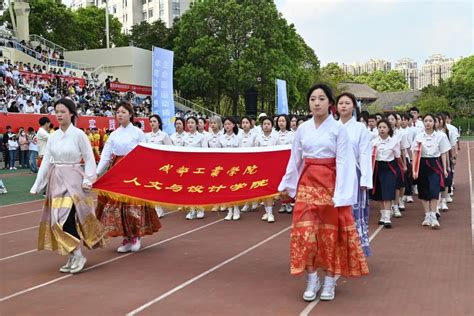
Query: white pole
[[107, 23]]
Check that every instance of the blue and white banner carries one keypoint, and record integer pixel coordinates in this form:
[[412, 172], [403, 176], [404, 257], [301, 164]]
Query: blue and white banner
[[162, 85], [282, 98]]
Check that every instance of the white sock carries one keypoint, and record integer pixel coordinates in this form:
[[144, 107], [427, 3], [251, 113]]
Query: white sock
[[312, 276], [77, 252], [269, 210]]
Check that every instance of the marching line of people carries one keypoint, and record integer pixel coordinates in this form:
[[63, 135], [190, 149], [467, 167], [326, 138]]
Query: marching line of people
[[337, 164]]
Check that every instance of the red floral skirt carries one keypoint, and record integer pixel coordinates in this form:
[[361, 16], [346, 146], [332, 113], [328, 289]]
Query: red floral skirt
[[324, 236]]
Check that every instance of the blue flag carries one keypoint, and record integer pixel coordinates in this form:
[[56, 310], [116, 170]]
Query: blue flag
[[282, 98], [162, 85]]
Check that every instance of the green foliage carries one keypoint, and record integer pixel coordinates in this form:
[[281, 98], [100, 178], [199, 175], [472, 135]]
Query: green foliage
[[222, 48], [146, 35], [465, 124], [430, 103], [383, 81], [82, 29]]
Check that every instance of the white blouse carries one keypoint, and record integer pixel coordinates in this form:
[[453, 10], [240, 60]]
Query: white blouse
[[122, 141], [213, 139], [226, 141], [68, 147], [387, 149], [159, 138], [195, 140], [264, 141], [360, 140], [178, 138], [285, 138], [247, 139], [433, 145], [402, 137], [329, 140]]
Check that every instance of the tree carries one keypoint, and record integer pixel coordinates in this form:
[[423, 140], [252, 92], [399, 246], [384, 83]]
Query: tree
[[383, 81], [82, 29], [430, 103], [146, 35], [223, 47]]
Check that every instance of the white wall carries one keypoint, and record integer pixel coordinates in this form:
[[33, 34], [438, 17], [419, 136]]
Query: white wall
[[129, 64]]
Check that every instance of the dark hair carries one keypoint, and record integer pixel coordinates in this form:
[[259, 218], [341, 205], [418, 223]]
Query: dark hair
[[138, 124], [277, 127], [194, 119], [31, 129], [405, 116], [127, 106], [429, 114], [354, 103], [390, 129], [262, 119], [70, 105], [9, 127], [248, 118], [202, 119], [414, 108], [231, 119], [372, 117], [179, 119], [158, 118], [447, 114], [327, 91], [43, 121]]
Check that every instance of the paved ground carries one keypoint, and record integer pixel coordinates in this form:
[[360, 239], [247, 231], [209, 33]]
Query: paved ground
[[213, 267]]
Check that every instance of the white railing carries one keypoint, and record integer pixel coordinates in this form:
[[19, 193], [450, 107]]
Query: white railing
[[194, 106], [45, 42], [45, 59]]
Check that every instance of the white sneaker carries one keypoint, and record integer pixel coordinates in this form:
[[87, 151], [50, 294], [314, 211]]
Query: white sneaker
[[434, 221], [401, 204], [14, 168], [443, 206], [200, 214], [312, 288], [126, 246], [409, 199], [136, 244], [67, 267], [387, 223], [222, 208], [254, 205], [282, 209], [271, 218], [191, 214], [427, 220], [265, 217], [78, 263], [289, 208], [159, 211], [11, 168], [414, 189], [396, 211], [449, 199], [382, 217], [215, 209], [229, 215], [236, 215], [246, 208], [329, 289]]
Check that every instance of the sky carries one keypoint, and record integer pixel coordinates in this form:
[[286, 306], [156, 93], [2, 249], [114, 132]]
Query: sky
[[347, 31]]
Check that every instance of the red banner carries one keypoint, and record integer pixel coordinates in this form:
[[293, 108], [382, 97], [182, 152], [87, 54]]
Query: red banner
[[124, 87], [31, 76], [16, 120], [200, 177]]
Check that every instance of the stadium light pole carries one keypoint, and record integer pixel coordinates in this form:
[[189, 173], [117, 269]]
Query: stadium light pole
[[107, 34]]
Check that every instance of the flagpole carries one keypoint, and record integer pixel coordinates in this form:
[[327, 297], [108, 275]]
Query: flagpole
[[107, 34]]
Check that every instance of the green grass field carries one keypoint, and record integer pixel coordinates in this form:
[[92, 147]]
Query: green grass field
[[18, 188]]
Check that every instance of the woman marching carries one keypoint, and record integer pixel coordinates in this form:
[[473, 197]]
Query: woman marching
[[387, 152], [157, 136], [247, 139], [268, 137], [285, 137], [131, 220], [177, 139], [68, 213], [359, 137], [322, 177], [194, 139], [448, 181], [230, 139], [434, 146]]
